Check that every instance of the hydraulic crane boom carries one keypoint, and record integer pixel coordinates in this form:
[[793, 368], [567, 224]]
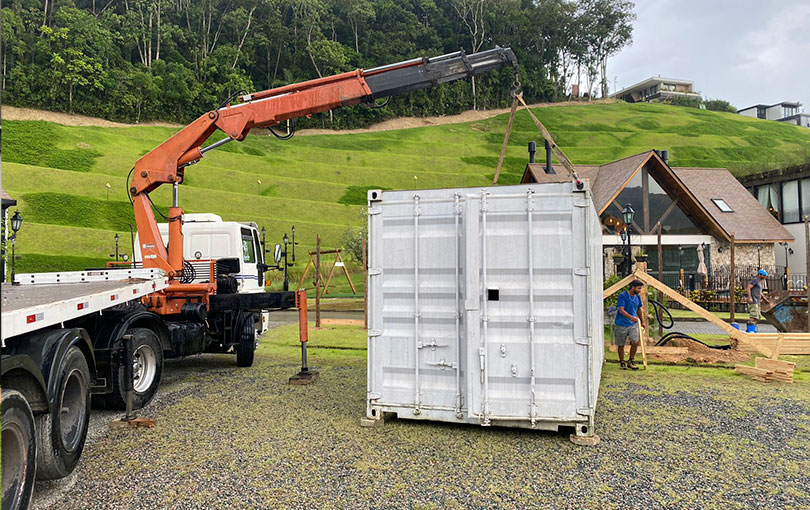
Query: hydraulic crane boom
[[166, 163]]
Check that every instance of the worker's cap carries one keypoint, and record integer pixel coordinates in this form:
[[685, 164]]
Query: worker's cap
[[762, 272], [636, 283]]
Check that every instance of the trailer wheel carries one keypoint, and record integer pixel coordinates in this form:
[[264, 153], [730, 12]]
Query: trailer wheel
[[19, 462], [61, 434], [147, 368], [247, 340]]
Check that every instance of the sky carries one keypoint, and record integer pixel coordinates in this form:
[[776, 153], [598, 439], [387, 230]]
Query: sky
[[744, 51]]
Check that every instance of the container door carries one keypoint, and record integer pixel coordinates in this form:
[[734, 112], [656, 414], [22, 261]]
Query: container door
[[413, 339], [526, 273]]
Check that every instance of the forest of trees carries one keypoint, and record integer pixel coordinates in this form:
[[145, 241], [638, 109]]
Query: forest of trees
[[171, 60]]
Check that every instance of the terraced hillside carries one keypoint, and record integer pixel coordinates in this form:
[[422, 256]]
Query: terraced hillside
[[59, 173]]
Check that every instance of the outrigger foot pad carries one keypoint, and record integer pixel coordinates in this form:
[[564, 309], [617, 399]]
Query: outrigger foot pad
[[302, 378]]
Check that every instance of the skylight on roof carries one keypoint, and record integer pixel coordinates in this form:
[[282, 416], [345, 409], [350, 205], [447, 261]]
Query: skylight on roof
[[722, 205]]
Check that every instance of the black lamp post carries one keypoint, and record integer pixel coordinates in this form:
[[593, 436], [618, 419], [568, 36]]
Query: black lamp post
[[286, 241], [16, 223], [627, 218], [116, 246]]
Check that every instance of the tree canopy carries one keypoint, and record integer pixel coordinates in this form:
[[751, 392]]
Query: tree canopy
[[136, 60]]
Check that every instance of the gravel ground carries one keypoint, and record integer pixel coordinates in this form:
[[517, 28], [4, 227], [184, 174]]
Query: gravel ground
[[243, 438]]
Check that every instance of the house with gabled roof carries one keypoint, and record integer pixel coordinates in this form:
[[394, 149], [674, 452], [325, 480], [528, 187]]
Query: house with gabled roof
[[696, 207]]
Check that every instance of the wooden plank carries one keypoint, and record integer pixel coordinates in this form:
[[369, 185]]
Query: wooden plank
[[775, 365], [617, 286], [342, 322], [752, 371], [705, 314]]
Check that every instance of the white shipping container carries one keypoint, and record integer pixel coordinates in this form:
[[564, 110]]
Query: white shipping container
[[485, 306]]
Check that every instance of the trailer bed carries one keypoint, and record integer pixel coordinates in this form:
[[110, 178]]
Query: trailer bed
[[65, 296]]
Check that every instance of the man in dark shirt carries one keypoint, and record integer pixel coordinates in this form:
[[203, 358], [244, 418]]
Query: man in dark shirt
[[754, 291], [627, 321]]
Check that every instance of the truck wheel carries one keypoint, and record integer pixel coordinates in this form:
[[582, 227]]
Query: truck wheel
[[247, 340], [19, 453], [147, 367], [61, 434]]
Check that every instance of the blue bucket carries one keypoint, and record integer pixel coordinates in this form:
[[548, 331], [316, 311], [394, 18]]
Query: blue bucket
[[735, 325], [751, 328]]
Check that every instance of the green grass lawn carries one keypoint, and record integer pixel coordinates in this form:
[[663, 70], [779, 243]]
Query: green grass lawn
[[317, 183]]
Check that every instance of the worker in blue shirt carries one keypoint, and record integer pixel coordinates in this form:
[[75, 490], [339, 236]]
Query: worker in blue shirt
[[627, 321]]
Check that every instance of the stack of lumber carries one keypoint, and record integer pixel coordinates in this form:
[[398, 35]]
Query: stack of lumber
[[792, 343], [767, 370]]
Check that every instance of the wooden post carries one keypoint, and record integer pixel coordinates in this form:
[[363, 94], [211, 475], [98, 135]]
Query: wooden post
[[365, 285], [641, 267], [660, 278], [732, 298], [318, 284], [807, 258]]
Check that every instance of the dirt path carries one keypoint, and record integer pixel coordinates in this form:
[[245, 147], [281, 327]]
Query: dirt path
[[69, 119], [14, 113]]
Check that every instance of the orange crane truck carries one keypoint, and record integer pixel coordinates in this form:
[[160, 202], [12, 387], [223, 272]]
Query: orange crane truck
[[70, 336]]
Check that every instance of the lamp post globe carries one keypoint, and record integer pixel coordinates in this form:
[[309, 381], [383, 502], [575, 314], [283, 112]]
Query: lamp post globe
[[627, 214], [624, 235], [16, 222]]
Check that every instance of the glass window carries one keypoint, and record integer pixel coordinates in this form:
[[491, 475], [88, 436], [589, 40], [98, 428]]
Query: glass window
[[790, 202], [659, 200], [248, 250], [768, 197], [722, 205], [805, 190]]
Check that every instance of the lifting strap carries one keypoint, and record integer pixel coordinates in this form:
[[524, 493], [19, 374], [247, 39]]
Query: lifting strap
[[561, 157], [506, 138]]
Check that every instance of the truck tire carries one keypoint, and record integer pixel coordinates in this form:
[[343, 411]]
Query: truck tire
[[19, 463], [247, 340], [147, 368], [61, 434]]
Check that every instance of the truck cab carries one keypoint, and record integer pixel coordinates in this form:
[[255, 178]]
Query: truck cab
[[206, 236]]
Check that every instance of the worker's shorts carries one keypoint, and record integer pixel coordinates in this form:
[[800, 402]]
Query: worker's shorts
[[625, 332], [753, 311]]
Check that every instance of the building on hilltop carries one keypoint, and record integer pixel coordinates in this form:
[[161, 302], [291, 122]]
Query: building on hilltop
[[698, 208], [657, 89], [786, 111]]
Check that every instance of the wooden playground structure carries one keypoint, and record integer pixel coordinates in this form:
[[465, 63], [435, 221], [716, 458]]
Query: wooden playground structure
[[314, 262]]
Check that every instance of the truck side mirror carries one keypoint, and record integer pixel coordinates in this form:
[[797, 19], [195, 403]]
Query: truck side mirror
[[277, 254]]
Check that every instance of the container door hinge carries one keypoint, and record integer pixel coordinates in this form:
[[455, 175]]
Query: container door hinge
[[585, 411], [579, 203], [374, 210], [374, 332], [582, 271], [583, 340], [374, 272]]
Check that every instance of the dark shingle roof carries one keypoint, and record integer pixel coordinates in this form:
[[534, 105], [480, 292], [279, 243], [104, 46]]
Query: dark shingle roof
[[6, 199], [749, 221]]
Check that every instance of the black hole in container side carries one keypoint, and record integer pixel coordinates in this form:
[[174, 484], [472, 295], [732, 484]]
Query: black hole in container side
[[493, 295], [373, 194], [584, 429]]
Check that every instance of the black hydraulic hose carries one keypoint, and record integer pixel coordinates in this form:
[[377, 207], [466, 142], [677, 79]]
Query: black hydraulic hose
[[659, 307], [673, 335]]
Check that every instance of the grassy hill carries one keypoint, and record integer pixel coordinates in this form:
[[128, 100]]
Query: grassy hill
[[317, 183]]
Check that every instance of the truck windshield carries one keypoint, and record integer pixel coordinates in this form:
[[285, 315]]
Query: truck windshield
[[248, 250]]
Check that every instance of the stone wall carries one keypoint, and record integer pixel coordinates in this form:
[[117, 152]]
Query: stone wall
[[744, 254]]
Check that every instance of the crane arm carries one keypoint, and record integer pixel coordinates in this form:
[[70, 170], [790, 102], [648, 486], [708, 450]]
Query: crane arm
[[166, 163]]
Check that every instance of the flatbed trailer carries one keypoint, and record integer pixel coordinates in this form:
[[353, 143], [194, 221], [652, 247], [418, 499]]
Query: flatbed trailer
[[63, 338]]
